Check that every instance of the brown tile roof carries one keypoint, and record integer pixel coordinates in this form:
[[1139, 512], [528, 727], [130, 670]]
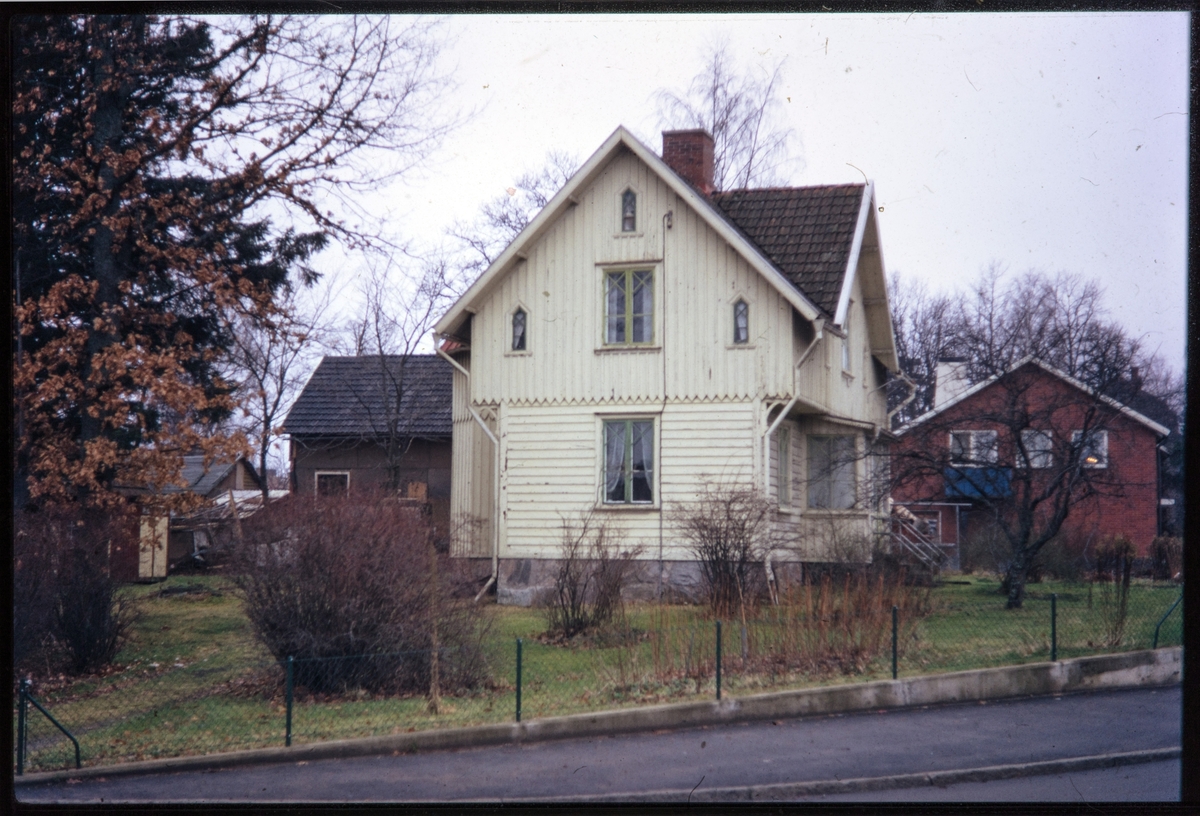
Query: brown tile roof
[[805, 231]]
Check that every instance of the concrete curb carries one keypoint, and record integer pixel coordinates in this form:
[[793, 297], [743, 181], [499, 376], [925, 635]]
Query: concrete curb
[[790, 791], [1159, 667]]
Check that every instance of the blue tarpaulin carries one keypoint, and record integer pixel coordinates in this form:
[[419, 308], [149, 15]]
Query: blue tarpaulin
[[977, 483]]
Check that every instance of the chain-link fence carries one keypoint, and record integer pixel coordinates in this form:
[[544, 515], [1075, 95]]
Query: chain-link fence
[[655, 655]]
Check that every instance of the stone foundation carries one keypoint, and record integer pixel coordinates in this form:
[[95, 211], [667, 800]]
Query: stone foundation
[[524, 581]]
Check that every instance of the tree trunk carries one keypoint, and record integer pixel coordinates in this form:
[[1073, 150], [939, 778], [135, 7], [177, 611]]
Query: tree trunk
[[1018, 569]]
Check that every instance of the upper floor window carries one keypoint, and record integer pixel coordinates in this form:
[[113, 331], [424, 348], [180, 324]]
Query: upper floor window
[[629, 461], [1039, 448], [519, 319], [629, 307], [741, 322], [974, 448], [831, 481], [629, 211], [1093, 451]]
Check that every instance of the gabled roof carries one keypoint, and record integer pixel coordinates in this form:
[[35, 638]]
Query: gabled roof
[[346, 396], [807, 232], [201, 481], [1052, 371], [621, 138]]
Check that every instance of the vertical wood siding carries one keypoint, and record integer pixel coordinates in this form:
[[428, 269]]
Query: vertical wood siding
[[706, 394]]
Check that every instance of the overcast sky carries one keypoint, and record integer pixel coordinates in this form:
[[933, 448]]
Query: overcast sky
[[1047, 141]]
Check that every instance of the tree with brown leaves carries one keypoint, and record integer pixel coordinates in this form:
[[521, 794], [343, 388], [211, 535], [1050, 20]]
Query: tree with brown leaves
[[152, 159]]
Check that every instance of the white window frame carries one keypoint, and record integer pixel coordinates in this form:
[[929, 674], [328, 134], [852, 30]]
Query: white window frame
[[633, 229], [973, 459], [627, 465], [508, 349], [317, 479], [1100, 437], [1040, 457]]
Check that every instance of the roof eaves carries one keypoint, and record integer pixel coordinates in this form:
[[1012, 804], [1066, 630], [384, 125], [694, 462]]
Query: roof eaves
[[860, 229], [1049, 369], [711, 215]]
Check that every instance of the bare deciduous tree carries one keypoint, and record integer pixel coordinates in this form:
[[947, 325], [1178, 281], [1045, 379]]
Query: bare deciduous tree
[[741, 112], [501, 220], [396, 316], [270, 360]]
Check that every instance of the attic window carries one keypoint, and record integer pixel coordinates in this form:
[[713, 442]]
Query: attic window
[[518, 330], [628, 211], [741, 322]]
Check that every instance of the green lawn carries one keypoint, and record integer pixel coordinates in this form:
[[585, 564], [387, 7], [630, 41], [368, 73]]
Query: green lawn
[[193, 680]]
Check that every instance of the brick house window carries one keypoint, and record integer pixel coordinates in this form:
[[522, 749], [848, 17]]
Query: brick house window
[[1039, 447], [974, 448], [1093, 451]]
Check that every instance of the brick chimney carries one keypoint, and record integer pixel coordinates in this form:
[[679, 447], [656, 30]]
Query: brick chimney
[[690, 154]]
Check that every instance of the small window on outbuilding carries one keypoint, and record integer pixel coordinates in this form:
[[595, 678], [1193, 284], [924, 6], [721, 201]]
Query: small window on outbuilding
[[629, 211], [332, 484], [741, 322], [519, 334]]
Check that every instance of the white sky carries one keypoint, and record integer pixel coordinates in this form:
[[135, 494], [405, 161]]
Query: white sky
[[1048, 141]]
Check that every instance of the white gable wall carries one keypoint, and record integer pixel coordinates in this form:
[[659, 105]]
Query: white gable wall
[[706, 395]]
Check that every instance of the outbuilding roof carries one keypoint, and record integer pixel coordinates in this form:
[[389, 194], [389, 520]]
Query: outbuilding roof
[[353, 396], [807, 232]]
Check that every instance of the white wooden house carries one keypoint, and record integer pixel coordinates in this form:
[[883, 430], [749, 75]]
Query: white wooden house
[[645, 335]]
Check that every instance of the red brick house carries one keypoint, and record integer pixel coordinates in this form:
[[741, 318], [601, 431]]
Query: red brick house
[[1031, 446]]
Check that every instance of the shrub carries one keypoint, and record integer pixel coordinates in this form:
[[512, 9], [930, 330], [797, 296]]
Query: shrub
[[593, 570], [728, 530], [345, 585], [1114, 567], [1166, 553], [1061, 557], [65, 597]]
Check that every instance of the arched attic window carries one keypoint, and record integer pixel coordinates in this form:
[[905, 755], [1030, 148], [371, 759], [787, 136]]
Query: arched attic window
[[629, 211], [741, 322], [519, 333]]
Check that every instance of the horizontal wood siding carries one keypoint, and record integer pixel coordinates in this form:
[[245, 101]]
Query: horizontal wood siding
[[553, 462]]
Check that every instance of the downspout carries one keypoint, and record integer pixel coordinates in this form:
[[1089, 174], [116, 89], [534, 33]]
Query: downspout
[[496, 469], [668, 220], [820, 324]]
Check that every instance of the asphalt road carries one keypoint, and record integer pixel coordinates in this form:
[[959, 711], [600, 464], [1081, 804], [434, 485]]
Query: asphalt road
[[848, 746]]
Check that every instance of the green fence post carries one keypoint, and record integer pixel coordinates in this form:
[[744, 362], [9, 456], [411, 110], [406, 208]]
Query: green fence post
[[21, 706], [290, 685], [1163, 619], [518, 679], [718, 660], [895, 638], [1053, 626]]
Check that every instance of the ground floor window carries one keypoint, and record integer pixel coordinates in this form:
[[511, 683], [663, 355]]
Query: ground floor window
[[629, 461], [831, 465]]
